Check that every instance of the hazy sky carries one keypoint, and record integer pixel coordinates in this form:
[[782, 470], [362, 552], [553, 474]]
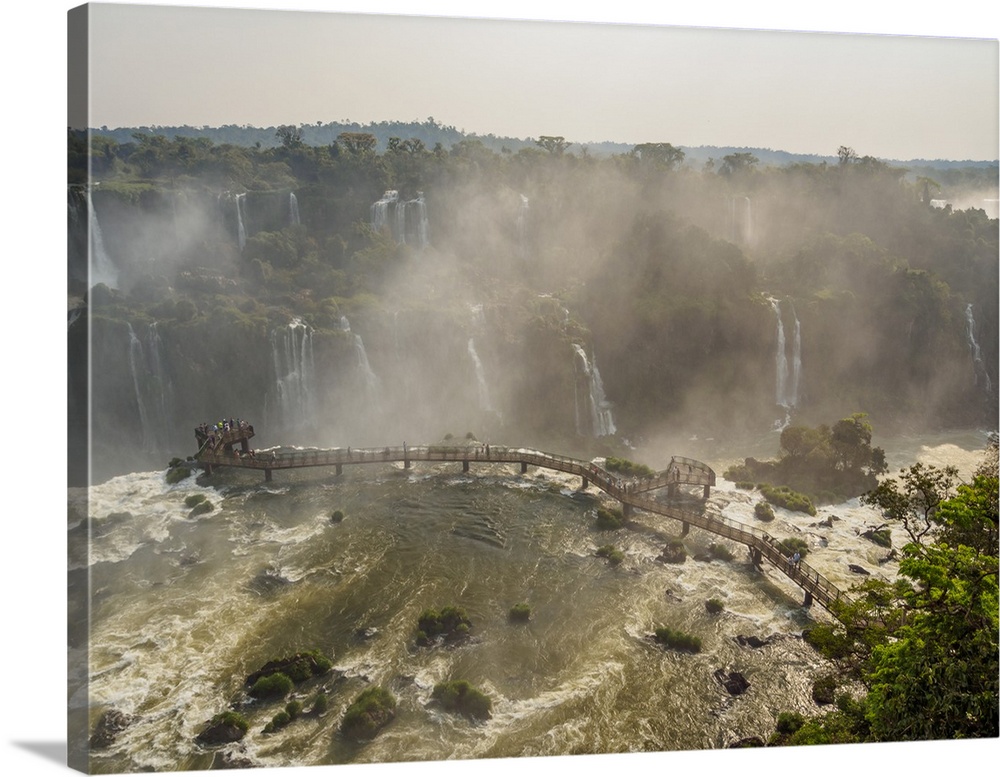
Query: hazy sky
[[891, 96]]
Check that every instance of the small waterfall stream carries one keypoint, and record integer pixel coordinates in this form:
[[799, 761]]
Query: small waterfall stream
[[598, 408]]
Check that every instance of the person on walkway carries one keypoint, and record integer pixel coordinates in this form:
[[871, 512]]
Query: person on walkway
[[796, 559]]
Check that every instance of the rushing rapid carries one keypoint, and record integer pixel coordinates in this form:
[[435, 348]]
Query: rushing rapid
[[184, 607]]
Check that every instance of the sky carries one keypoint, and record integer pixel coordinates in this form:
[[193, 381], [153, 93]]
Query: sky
[[34, 314], [891, 96]]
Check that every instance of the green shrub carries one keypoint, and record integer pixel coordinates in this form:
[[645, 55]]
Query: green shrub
[[827, 640], [201, 508], [762, 511], [337, 516], [678, 640], [608, 518], [451, 623], [279, 721], [714, 606], [272, 686], [612, 554], [460, 696], [373, 709], [230, 718], [628, 468], [824, 689], [880, 537], [789, 722], [194, 499], [720, 552], [320, 704], [792, 545], [783, 496], [519, 612], [293, 708], [746, 485], [674, 553], [177, 474]]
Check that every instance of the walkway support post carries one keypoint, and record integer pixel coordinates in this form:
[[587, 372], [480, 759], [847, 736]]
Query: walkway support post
[[585, 483], [524, 467], [807, 602], [626, 510], [465, 465], [685, 528], [708, 490], [267, 474], [340, 469]]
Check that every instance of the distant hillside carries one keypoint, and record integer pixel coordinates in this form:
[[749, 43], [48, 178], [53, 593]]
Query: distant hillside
[[432, 132]]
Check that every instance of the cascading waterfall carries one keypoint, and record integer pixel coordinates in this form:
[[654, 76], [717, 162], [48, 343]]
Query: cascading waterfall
[[740, 220], [137, 366], [421, 220], [380, 210], [977, 358], [786, 384], [602, 421], [294, 371], [102, 269], [241, 232], [369, 378], [293, 210], [522, 227], [161, 383], [481, 384]]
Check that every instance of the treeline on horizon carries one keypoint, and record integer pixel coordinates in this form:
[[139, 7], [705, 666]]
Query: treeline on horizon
[[432, 132]]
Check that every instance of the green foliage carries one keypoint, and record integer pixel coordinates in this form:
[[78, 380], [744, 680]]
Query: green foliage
[[612, 554], [294, 709], [824, 689], [678, 640], [194, 499], [230, 718], [201, 508], [628, 468], [793, 545], [519, 612], [609, 518], [714, 606], [914, 500], [822, 462], [782, 496], [720, 552], [460, 696], [176, 474], [763, 511], [450, 623], [278, 722], [373, 709], [337, 516], [675, 552], [789, 722], [320, 704], [272, 686]]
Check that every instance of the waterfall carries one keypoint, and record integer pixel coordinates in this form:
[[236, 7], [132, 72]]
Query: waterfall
[[602, 422], [740, 220], [137, 366], [380, 210], [293, 210], [421, 219], [102, 269], [786, 381], [522, 227], [371, 382], [294, 371], [977, 358], [241, 232], [161, 383], [482, 385]]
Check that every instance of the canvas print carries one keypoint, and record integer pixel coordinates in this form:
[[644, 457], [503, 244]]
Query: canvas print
[[461, 389]]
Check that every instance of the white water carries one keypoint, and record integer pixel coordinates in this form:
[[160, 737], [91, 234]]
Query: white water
[[369, 379], [294, 371], [786, 379], [380, 209], [136, 363], [522, 227], [741, 220], [422, 225], [977, 358], [481, 384], [602, 421], [102, 268], [241, 232], [293, 209]]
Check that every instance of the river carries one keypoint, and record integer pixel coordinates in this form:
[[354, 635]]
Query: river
[[184, 608]]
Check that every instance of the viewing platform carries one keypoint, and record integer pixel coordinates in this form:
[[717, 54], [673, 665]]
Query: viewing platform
[[231, 449]]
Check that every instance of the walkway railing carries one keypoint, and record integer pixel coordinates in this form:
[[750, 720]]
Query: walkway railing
[[629, 493]]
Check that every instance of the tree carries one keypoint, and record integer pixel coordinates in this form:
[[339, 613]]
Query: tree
[[554, 144], [737, 164], [357, 143], [290, 136], [915, 499], [661, 155]]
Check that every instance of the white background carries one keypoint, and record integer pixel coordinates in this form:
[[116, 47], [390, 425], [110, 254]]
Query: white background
[[32, 678]]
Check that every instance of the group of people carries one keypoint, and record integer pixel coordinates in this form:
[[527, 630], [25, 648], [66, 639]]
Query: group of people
[[215, 433]]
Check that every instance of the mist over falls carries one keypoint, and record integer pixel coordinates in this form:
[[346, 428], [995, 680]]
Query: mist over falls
[[537, 298]]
